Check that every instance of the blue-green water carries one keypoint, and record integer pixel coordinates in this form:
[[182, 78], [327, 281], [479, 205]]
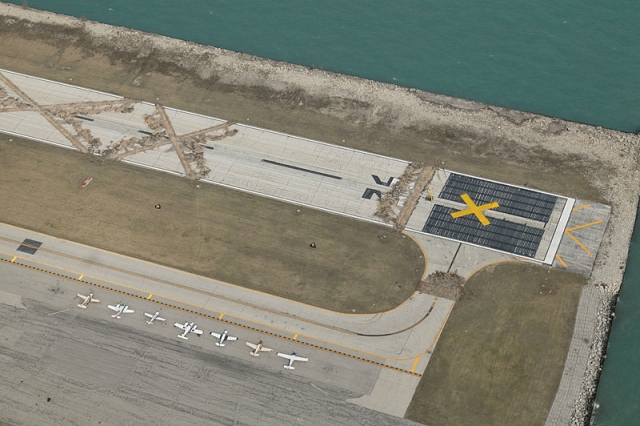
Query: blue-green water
[[574, 59]]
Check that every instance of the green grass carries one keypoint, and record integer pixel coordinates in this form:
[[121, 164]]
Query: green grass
[[502, 352], [228, 235]]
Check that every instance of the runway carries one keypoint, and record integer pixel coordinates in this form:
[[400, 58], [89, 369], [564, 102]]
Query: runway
[[515, 222]]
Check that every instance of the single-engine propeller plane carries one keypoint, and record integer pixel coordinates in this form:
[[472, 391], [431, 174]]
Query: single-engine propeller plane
[[257, 348], [120, 308], [154, 317], [87, 299], [291, 358], [188, 327], [223, 337]]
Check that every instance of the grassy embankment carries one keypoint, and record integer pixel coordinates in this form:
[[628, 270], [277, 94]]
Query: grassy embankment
[[239, 238], [502, 352]]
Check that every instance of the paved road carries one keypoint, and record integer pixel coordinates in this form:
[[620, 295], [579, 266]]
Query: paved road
[[98, 370]]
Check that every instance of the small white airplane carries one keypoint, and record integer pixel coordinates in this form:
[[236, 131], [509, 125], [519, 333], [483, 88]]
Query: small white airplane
[[153, 317], [188, 328], [223, 337], [120, 308], [257, 348], [87, 300], [291, 358]]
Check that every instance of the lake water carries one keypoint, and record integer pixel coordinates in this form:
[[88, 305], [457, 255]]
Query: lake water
[[574, 59]]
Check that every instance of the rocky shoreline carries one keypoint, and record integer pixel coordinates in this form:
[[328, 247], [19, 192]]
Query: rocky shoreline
[[607, 159]]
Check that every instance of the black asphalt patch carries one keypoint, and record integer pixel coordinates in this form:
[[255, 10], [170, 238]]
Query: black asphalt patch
[[512, 200], [29, 246], [500, 234]]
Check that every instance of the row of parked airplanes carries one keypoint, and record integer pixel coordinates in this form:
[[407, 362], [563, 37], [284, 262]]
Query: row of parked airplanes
[[190, 327]]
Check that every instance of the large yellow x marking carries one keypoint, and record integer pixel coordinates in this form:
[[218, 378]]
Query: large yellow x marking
[[474, 209]]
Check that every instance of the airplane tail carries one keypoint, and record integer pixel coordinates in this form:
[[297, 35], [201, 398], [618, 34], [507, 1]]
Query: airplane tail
[[149, 322], [183, 337], [219, 344], [115, 316], [82, 306], [254, 354], [289, 367]]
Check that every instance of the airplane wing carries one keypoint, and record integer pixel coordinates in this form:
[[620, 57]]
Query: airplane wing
[[216, 335], [292, 356], [84, 297], [287, 356], [95, 300], [263, 349], [231, 338], [128, 311], [149, 315], [160, 319], [113, 308], [182, 326], [252, 345], [196, 331]]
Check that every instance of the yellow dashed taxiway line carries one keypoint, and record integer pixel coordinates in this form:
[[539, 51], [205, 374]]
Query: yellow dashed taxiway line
[[218, 318], [183, 287]]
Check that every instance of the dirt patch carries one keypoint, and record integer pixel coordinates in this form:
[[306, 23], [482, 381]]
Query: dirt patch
[[443, 284]]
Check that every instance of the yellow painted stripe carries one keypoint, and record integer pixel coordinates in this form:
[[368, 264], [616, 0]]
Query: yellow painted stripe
[[80, 277], [14, 259], [585, 225], [131, 288], [581, 207], [415, 364], [191, 274], [578, 242], [149, 296], [295, 336], [221, 315], [441, 328], [191, 311], [560, 260]]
